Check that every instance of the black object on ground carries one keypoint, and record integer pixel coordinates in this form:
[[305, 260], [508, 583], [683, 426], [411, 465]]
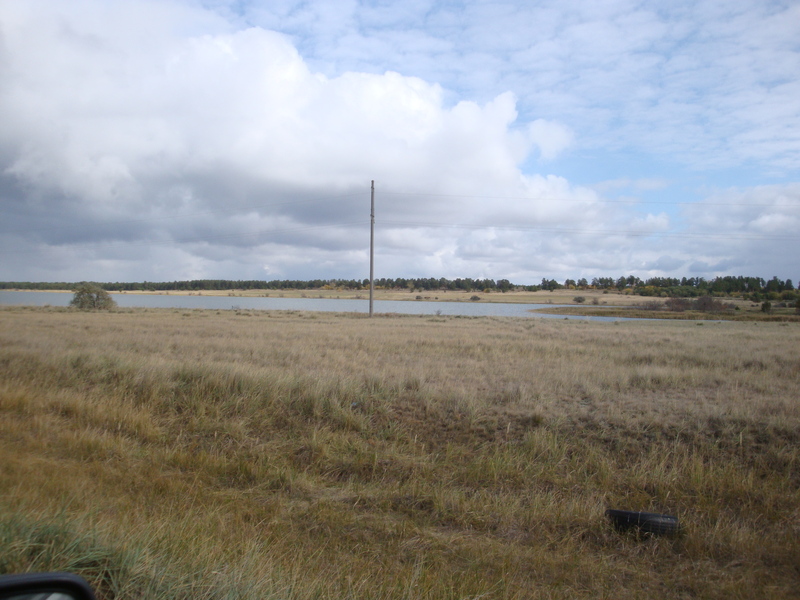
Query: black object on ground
[[45, 586], [654, 523]]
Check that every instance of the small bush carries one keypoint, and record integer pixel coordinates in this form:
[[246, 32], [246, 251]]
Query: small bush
[[707, 304], [651, 305], [475, 298], [89, 296], [677, 304], [579, 299], [766, 306]]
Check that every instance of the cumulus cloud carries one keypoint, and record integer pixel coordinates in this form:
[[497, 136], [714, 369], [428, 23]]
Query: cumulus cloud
[[174, 139], [226, 139], [635, 185], [551, 138], [664, 264], [772, 210], [246, 102], [711, 82]]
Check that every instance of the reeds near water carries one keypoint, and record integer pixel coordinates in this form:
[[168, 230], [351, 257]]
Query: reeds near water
[[176, 454]]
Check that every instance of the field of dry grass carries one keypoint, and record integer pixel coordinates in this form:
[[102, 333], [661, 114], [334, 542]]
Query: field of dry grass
[[248, 454], [564, 296], [747, 312]]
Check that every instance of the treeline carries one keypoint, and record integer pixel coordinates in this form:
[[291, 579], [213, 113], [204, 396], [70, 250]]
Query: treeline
[[686, 287]]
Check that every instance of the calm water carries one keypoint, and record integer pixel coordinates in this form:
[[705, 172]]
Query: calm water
[[408, 307]]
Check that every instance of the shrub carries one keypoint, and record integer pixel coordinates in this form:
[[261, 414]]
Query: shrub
[[710, 304], [677, 304], [766, 306], [705, 304], [579, 299], [651, 305], [475, 298], [89, 296]]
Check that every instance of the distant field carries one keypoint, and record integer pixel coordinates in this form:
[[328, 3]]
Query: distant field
[[541, 297], [255, 454], [594, 303], [746, 312], [592, 298]]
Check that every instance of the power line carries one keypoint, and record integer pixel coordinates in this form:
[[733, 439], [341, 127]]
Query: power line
[[577, 201], [427, 225], [202, 239], [738, 236]]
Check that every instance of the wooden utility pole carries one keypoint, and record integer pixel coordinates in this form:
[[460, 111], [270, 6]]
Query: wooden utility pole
[[372, 247]]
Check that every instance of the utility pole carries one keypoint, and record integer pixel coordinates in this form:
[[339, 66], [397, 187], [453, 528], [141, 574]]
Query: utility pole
[[372, 247]]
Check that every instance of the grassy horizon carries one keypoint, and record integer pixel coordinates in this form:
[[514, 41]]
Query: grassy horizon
[[178, 453], [602, 303]]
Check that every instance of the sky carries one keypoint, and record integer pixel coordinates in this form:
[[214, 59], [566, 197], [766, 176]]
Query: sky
[[160, 140]]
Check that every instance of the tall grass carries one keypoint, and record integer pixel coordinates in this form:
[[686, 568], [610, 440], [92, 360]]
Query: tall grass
[[292, 455]]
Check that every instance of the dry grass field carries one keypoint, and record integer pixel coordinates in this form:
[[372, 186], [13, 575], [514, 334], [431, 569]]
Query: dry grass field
[[248, 454], [563, 296]]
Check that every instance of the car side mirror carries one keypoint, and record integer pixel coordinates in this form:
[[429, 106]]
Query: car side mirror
[[45, 586]]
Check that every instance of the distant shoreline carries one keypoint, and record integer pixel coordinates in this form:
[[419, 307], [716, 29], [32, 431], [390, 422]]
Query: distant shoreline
[[511, 297], [595, 303]]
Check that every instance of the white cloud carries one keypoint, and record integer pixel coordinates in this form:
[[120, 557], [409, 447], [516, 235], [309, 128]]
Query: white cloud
[[145, 140], [551, 138], [711, 83], [650, 223], [769, 209], [246, 100], [664, 264]]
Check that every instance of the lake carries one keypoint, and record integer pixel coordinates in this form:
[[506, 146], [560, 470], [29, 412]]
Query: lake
[[406, 307]]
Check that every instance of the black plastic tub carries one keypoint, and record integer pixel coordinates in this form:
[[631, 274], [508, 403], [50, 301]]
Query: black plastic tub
[[657, 524]]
